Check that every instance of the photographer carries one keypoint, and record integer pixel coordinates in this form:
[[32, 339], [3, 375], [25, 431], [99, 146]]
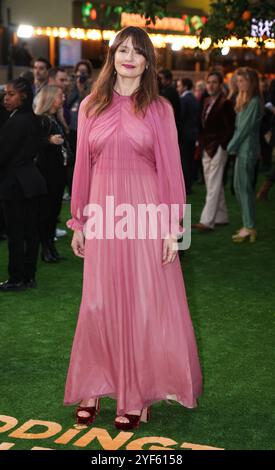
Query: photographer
[[80, 89]]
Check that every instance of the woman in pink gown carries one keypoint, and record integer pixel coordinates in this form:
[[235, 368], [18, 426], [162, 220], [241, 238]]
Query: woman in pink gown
[[134, 340]]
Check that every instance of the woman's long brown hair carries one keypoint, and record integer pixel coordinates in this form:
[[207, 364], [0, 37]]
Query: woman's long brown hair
[[252, 77], [147, 91]]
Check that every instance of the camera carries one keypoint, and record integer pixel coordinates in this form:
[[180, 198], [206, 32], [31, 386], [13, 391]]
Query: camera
[[82, 78]]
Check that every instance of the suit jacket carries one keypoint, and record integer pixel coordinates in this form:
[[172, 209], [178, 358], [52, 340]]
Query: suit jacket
[[3, 115], [50, 159], [189, 117], [171, 94], [20, 139], [246, 138], [218, 127]]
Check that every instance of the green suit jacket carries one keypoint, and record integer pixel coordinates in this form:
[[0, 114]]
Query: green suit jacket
[[246, 138]]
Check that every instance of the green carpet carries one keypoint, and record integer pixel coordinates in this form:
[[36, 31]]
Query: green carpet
[[232, 303]]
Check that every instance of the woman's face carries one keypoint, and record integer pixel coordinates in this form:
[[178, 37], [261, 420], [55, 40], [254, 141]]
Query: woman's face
[[82, 70], [58, 102], [129, 62], [12, 99], [242, 83]]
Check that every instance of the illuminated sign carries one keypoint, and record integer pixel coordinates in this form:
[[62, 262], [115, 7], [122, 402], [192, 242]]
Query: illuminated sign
[[260, 28], [101, 15], [186, 24]]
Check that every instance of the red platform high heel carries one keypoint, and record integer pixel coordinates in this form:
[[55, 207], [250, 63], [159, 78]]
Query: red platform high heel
[[85, 421], [133, 420]]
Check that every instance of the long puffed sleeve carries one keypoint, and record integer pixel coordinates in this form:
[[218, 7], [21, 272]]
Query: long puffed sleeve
[[247, 123], [171, 186], [82, 171]]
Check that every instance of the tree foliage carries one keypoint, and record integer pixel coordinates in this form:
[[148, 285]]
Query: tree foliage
[[240, 18]]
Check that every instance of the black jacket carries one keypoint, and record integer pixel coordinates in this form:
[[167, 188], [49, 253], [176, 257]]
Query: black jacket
[[171, 94], [20, 140], [50, 160], [217, 128], [189, 117]]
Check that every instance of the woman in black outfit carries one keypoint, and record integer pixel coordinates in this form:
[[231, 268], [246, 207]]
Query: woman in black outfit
[[21, 184], [52, 162]]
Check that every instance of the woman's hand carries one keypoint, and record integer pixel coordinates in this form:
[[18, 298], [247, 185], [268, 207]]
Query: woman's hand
[[170, 249], [78, 244], [56, 139]]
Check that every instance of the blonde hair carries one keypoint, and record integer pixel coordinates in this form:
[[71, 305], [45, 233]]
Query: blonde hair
[[45, 100], [244, 97], [233, 86]]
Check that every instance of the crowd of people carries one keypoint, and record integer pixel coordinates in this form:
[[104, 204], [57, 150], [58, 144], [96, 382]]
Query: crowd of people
[[38, 140], [220, 126]]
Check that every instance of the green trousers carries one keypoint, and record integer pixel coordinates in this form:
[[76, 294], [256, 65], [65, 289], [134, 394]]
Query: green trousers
[[243, 185]]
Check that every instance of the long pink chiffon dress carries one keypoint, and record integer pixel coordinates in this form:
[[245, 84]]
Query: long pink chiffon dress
[[134, 340]]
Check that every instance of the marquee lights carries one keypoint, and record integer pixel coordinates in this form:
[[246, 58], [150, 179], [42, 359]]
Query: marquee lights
[[25, 31], [177, 42]]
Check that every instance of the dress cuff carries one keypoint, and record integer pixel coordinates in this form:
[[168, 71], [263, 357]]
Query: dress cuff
[[75, 224]]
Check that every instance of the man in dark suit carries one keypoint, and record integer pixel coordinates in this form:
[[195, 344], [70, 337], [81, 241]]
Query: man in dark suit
[[21, 184], [189, 125], [217, 127], [167, 89], [3, 117]]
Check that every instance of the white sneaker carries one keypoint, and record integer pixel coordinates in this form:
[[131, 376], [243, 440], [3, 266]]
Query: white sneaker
[[59, 233], [66, 197]]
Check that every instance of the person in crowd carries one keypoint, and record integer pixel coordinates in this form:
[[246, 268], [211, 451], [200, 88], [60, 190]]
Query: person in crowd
[[200, 94], [217, 128], [4, 115], [3, 118], [134, 339], [190, 131], [41, 74], [29, 76], [266, 186], [52, 161], [83, 75], [264, 87], [21, 185], [200, 91], [21, 55], [266, 124], [167, 89], [233, 89], [230, 164], [270, 139], [83, 72], [245, 144], [58, 76]]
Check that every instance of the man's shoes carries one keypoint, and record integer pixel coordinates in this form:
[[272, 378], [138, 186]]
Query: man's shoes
[[263, 191], [53, 251], [8, 286], [66, 197], [46, 255], [202, 227], [218, 224], [30, 283]]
